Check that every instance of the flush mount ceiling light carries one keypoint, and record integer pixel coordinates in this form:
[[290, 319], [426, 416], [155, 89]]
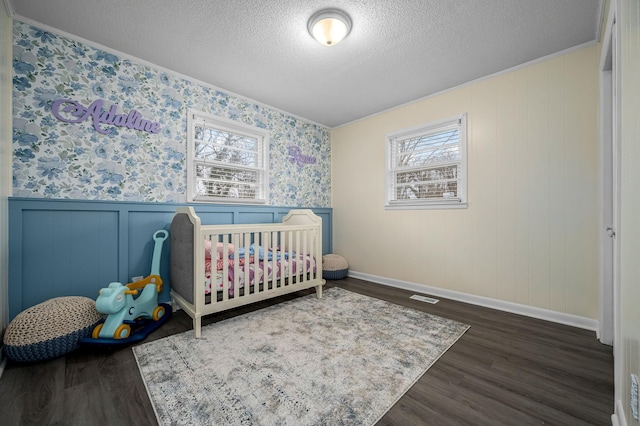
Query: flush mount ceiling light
[[329, 26]]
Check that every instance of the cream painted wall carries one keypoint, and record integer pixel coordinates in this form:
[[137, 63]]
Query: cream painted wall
[[6, 74], [628, 21], [529, 235]]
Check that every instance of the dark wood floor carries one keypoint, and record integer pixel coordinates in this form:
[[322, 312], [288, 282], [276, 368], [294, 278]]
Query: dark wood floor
[[506, 370]]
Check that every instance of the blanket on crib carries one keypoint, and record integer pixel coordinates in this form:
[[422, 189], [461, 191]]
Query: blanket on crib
[[255, 260]]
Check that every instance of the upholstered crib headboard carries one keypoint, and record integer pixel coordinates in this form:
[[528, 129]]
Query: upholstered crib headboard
[[181, 256]]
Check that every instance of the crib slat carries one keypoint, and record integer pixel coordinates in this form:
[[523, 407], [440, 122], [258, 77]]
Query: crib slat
[[225, 263], [264, 265], [285, 236], [307, 241], [245, 270], [236, 259], [286, 262], [255, 266], [270, 278], [299, 251], [225, 272], [260, 263], [308, 253], [316, 255], [278, 278], [203, 273]]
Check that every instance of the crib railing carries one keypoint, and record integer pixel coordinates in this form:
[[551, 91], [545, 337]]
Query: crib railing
[[263, 260]]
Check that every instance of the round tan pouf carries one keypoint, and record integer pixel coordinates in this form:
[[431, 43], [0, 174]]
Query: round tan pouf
[[50, 329], [334, 267]]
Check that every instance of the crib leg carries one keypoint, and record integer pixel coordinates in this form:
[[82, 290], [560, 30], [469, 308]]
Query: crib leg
[[197, 325], [319, 291]]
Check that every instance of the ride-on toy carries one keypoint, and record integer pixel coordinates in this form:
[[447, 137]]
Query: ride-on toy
[[142, 314]]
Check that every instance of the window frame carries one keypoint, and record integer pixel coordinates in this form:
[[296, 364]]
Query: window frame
[[459, 202], [219, 123]]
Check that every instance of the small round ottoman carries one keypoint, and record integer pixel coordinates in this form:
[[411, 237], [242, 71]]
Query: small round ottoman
[[50, 329], [334, 267]]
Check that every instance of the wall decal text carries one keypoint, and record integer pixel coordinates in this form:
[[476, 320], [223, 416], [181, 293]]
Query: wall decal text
[[71, 111], [297, 157]]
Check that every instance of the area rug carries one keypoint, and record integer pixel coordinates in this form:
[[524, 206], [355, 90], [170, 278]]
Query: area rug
[[344, 359]]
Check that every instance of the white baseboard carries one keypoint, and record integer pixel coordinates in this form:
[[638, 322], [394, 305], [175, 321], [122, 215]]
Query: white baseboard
[[618, 418], [501, 305]]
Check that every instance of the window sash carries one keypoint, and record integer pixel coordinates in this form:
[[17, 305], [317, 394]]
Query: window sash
[[228, 161], [442, 145], [226, 147], [427, 165]]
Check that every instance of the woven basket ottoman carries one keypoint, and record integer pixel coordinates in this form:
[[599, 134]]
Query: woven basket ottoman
[[334, 267], [50, 329]]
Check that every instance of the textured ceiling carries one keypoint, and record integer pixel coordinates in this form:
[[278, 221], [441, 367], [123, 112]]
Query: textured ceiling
[[398, 50]]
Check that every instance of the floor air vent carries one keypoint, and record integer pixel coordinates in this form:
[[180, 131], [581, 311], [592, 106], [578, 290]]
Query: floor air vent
[[424, 299]]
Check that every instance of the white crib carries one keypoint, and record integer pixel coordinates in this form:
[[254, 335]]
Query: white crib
[[219, 267]]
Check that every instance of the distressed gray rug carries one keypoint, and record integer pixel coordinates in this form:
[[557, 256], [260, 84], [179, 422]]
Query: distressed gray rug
[[344, 359]]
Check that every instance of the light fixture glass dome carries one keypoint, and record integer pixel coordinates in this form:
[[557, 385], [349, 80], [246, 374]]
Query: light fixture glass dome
[[329, 26]]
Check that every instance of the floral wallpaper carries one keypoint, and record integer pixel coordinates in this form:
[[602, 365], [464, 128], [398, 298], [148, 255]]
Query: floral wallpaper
[[55, 159]]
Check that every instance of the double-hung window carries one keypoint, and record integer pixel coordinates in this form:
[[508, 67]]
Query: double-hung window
[[228, 161], [427, 166]]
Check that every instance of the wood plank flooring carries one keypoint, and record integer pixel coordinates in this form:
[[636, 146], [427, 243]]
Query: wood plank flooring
[[506, 370]]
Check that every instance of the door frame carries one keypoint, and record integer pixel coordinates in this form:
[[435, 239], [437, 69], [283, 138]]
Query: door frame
[[610, 199], [609, 185]]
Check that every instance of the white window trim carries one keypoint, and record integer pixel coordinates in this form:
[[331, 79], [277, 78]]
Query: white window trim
[[458, 203], [193, 116]]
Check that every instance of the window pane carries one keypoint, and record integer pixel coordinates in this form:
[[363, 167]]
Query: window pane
[[436, 155], [225, 154], [437, 182], [220, 137], [225, 190], [425, 175], [226, 174], [427, 190], [226, 182], [430, 148], [431, 141], [218, 145]]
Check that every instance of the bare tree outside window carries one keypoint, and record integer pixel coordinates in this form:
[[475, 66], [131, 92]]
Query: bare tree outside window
[[425, 165], [227, 163]]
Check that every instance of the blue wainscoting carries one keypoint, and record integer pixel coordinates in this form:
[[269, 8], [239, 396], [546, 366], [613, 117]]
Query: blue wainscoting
[[75, 247]]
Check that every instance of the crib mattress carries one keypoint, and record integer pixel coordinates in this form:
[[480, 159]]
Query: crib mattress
[[285, 266]]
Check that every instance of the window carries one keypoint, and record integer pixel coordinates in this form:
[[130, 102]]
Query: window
[[427, 166], [227, 161]]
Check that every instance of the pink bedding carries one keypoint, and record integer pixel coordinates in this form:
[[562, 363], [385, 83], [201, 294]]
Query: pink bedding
[[257, 261]]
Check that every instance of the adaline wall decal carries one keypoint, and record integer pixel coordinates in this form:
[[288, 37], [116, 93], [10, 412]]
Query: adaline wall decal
[[74, 112]]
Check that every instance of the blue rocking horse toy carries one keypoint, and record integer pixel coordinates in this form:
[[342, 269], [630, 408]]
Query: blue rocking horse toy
[[123, 310]]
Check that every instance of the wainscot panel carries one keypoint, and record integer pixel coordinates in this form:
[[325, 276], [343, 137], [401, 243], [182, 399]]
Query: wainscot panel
[[76, 247]]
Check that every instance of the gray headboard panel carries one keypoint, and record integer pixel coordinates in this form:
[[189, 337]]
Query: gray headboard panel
[[181, 257]]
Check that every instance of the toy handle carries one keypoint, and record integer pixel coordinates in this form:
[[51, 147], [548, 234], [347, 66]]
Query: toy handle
[[159, 237]]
